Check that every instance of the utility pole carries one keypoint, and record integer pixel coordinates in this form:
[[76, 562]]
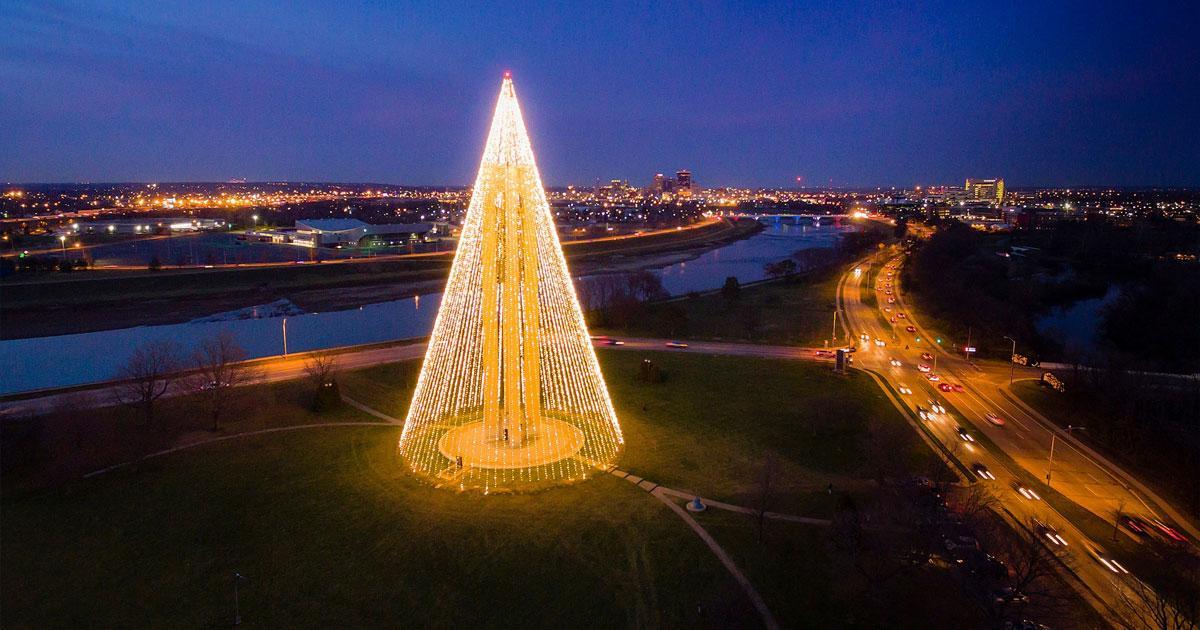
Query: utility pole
[[833, 337], [1053, 439], [285, 336], [1050, 465], [1012, 359]]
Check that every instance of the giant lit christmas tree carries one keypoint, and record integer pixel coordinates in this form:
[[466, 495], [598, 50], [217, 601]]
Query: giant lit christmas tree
[[510, 395]]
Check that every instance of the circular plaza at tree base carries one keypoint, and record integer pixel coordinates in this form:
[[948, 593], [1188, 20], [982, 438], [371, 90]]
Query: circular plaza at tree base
[[471, 457]]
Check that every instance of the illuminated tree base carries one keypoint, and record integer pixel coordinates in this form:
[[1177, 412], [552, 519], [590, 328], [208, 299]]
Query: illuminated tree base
[[551, 441], [553, 453]]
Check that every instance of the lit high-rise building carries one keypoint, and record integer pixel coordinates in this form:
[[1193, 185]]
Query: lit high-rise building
[[683, 183], [986, 189], [661, 184]]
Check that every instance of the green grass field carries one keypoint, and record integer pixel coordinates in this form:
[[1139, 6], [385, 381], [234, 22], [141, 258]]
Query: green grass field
[[332, 531], [795, 310], [798, 573], [708, 428]]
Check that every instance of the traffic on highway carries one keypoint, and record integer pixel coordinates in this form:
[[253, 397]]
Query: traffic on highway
[[1017, 454]]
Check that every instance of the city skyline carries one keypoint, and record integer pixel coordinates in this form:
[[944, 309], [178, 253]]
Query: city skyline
[[845, 96]]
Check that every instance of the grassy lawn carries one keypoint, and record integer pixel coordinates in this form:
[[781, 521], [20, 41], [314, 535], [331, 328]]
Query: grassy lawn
[[331, 530], [79, 437], [333, 533], [709, 427], [798, 574], [795, 310]]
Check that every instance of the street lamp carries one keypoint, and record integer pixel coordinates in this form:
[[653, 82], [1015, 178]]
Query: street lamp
[[1012, 359], [1050, 464], [62, 239], [237, 606]]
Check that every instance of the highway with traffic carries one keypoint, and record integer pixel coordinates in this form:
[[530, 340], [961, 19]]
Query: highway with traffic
[[1006, 444]]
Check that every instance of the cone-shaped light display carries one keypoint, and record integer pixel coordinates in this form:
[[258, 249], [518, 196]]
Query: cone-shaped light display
[[510, 394]]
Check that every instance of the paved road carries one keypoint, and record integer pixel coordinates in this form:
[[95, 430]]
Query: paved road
[[71, 251], [712, 347], [280, 368], [1025, 436], [271, 369]]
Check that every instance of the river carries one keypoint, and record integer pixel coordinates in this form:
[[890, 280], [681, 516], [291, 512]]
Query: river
[[65, 360]]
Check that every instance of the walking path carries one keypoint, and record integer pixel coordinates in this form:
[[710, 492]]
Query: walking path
[[669, 496], [755, 598], [368, 410], [223, 438]]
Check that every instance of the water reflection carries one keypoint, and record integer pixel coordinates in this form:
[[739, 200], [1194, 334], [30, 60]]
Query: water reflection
[[66, 360]]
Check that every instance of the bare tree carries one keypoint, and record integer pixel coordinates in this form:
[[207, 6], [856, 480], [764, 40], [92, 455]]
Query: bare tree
[[1173, 604], [147, 376], [219, 373], [974, 503], [875, 544], [1032, 574], [1118, 514], [320, 367]]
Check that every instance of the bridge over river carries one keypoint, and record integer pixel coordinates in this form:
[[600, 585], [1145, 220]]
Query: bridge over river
[[797, 218]]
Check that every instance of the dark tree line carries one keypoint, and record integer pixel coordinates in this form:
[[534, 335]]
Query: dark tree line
[[618, 300], [999, 285]]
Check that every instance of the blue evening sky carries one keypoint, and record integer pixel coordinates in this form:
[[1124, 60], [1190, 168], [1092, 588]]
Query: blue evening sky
[[749, 93]]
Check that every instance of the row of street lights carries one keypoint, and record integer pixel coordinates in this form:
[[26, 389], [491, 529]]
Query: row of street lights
[[1011, 373]]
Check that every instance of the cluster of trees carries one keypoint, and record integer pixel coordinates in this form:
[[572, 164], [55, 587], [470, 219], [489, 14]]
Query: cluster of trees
[[909, 527], [213, 377], [1155, 322], [42, 264], [207, 388], [960, 281], [999, 285], [620, 300], [1170, 599], [850, 246], [213, 374], [879, 544]]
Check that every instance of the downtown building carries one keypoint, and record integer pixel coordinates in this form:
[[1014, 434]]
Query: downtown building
[[681, 186]]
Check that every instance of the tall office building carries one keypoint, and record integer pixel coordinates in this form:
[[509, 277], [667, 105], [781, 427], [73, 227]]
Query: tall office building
[[986, 189], [684, 179], [661, 184], [683, 183]]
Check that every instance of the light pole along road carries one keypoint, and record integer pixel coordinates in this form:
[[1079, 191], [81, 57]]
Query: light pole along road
[[1026, 441]]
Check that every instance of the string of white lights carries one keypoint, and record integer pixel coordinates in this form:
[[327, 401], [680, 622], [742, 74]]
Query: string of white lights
[[510, 394]]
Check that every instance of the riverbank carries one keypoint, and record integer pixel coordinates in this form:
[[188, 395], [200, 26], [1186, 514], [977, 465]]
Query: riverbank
[[95, 301], [791, 310]]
